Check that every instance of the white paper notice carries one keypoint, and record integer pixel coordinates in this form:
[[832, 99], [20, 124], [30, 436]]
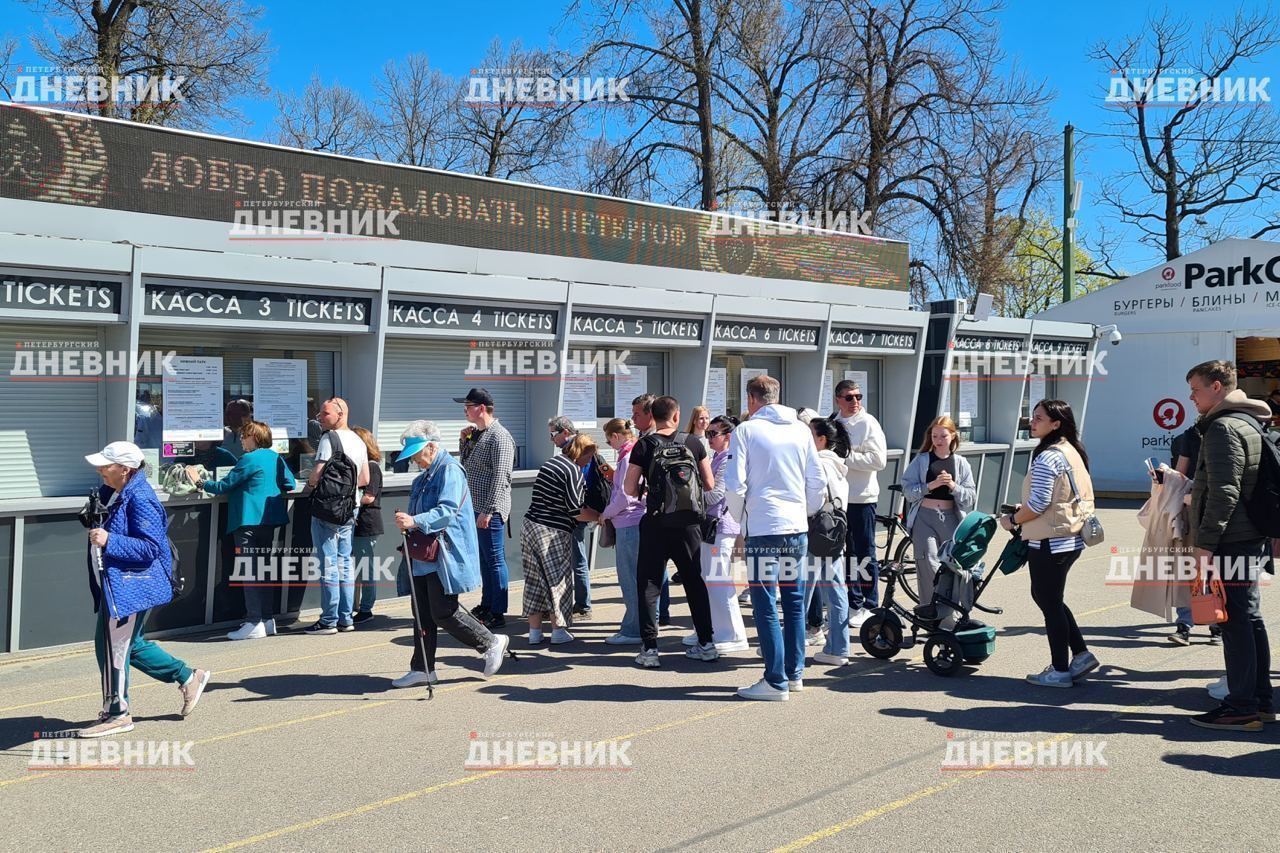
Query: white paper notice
[[860, 376], [1037, 392], [628, 386], [193, 399], [828, 390], [748, 373], [580, 396], [968, 398], [944, 406], [718, 391], [280, 395]]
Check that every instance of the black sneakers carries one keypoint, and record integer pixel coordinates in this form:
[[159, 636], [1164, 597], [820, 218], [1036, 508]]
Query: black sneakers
[[1181, 635], [321, 628], [362, 616], [1228, 719]]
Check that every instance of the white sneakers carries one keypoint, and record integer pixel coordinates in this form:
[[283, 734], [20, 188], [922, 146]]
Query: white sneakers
[[249, 631], [833, 660], [496, 653], [560, 635], [733, 646], [648, 659], [1218, 689], [535, 636], [857, 617], [796, 686], [763, 691], [1050, 677], [413, 678], [814, 637], [690, 639], [706, 651], [621, 639]]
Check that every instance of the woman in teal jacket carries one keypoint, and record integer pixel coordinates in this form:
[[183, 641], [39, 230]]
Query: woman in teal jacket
[[440, 503], [256, 507]]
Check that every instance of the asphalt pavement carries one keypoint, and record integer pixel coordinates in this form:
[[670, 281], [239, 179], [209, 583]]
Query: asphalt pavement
[[300, 743]]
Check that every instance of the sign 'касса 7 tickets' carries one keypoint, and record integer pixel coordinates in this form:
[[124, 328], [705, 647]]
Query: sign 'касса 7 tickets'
[[69, 159]]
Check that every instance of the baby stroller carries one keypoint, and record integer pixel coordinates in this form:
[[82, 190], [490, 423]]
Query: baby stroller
[[951, 637]]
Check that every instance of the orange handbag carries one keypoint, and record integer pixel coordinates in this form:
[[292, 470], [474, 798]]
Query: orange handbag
[[1208, 601]]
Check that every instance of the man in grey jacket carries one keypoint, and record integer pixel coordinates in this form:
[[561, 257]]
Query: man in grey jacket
[[1228, 543]]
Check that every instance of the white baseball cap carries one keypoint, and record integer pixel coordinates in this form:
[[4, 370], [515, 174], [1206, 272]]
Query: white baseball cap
[[125, 453]]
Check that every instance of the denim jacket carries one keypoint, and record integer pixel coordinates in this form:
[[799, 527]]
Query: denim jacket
[[440, 502]]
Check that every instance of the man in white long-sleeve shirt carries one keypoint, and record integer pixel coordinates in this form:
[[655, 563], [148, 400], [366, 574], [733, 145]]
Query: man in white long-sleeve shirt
[[773, 483], [866, 459]]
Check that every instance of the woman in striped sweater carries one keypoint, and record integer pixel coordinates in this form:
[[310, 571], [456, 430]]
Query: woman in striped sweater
[[1057, 497]]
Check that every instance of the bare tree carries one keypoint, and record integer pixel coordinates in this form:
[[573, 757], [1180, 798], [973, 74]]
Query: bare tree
[[8, 46], [324, 118], [417, 114], [1213, 162], [671, 69], [505, 137], [210, 44]]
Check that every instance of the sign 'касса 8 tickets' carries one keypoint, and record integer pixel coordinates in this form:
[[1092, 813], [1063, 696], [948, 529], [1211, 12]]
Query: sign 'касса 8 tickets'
[[70, 159]]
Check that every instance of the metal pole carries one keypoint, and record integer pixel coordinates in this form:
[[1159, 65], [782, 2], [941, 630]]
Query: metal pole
[[1068, 213]]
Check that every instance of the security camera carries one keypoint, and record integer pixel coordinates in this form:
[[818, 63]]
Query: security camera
[[1112, 332]]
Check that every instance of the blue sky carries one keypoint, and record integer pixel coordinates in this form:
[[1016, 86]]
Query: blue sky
[[350, 44]]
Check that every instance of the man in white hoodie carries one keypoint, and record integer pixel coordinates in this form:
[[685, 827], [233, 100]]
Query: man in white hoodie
[[774, 482], [866, 458]]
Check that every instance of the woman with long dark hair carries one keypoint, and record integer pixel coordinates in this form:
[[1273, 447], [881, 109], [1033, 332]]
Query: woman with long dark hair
[[1057, 497]]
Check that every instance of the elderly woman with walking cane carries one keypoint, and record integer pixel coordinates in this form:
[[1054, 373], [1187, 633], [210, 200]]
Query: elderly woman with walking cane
[[440, 546]]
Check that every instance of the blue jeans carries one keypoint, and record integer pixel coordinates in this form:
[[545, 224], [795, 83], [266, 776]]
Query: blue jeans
[[781, 646], [1182, 616], [362, 550], [628, 557], [337, 585], [581, 570], [860, 545], [493, 565], [836, 596]]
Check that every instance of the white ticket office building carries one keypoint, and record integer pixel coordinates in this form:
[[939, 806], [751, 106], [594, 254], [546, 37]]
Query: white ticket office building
[[117, 238]]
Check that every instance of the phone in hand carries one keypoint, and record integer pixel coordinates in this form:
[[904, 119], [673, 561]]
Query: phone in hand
[[1153, 467]]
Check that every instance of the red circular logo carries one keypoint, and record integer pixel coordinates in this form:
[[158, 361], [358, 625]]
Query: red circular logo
[[1167, 273], [1168, 414]]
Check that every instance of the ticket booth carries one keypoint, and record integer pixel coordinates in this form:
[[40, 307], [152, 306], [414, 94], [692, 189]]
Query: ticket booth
[[876, 349], [744, 344], [620, 348], [61, 338]]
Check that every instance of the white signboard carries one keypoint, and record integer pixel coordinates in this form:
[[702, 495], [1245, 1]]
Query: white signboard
[[280, 395], [828, 389], [628, 386], [193, 399], [945, 405], [718, 391], [968, 400], [580, 395], [1037, 392]]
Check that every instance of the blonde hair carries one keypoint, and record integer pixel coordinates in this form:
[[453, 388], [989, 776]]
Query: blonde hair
[[620, 426], [580, 444], [697, 412], [943, 421], [370, 443]]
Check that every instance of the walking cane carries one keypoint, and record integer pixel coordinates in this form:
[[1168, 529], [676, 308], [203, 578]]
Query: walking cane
[[418, 632]]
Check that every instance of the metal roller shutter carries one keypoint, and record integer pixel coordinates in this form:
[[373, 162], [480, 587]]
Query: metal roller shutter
[[47, 425], [420, 378]]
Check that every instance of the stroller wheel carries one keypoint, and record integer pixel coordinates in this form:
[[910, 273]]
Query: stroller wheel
[[943, 655], [881, 637]]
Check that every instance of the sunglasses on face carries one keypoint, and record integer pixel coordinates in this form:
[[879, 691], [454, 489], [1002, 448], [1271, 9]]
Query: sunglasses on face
[[715, 433], [849, 398]]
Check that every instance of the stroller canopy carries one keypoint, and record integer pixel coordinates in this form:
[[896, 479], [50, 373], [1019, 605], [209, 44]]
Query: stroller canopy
[[970, 540]]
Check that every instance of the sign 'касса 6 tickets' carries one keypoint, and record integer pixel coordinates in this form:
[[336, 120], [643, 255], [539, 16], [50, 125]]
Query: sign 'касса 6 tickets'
[[79, 160]]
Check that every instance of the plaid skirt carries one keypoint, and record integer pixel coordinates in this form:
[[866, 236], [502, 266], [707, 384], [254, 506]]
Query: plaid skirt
[[546, 557]]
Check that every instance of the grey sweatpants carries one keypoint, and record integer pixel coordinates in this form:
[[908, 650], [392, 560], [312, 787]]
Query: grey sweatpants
[[931, 528]]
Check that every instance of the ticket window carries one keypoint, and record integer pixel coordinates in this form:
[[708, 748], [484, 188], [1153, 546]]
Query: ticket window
[[653, 380], [734, 364], [968, 401], [237, 403], [420, 379], [866, 372]]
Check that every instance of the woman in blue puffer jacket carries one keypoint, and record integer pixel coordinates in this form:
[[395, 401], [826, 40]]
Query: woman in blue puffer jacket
[[129, 573]]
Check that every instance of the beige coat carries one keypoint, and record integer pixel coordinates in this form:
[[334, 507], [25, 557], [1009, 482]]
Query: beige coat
[[1166, 519]]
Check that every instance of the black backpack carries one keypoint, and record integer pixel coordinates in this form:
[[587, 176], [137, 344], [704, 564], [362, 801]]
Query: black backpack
[[333, 500], [598, 489], [1263, 506], [827, 527], [675, 484]]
